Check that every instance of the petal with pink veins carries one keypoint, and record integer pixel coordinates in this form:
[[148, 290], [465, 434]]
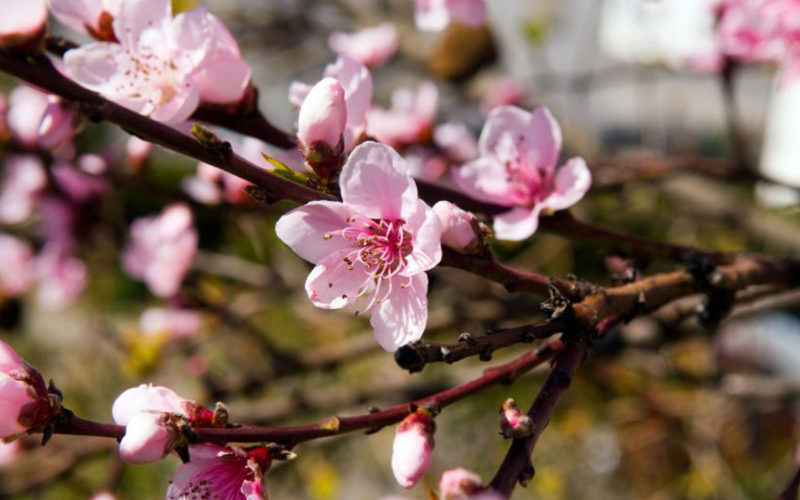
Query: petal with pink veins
[[401, 315], [571, 182], [516, 224], [426, 227], [485, 179], [536, 136], [308, 230], [337, 280], [374, 182]]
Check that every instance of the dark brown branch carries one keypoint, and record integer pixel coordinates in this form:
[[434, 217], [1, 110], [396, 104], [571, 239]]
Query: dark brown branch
[[253, 124], [40, 72], [790, 492], [504, 374], [516, 466]]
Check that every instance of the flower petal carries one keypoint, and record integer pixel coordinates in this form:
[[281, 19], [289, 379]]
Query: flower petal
[[486, 179], [401, 315], [211, 473], [137, 16], [426, 228], [536, 136], [334, 283], [571, 182], [376, 184], [516, 224], [305, 228]]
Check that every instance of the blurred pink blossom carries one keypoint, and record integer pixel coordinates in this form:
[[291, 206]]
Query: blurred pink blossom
[[457, 141], [9, 452], [103, 495], [87, 16], [463, 484], [424, 164], [356, 81], [39, 119], [24, 401], [412, 448], [435, 15], [17, 271], [517, 169], [371, 46], [61, 277], [502, 92], [56, 221], [137, 151], [408, 120], [378, 241], [79, 184], [221, 472], [460, 230], [175, 323], [161, 66], [514, 423], [24, 179], [161, 249], [22, 22]]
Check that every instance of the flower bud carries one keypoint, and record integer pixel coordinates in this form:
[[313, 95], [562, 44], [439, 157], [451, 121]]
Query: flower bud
[[514, 423], [150, 436], [411, 452], [146, 398], [57, 125], [320, 125], [22, 23], [459, 484], [24, 400], [460, 229]]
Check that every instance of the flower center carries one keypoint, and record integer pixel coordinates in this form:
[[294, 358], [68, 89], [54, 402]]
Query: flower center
[[382, 245]]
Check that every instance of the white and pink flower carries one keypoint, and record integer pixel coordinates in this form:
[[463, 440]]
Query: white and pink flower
[[94, 17], [147, 397], [61, 277], [227, 473], [356, 81], [457, 141], [22, 22], [412, 448], [39, 119], [517, 169], [378, 241], [24, 400], [371, 46], [409, 119], [435, 15], [149, 436], [161, 250], [162, 66], [321, 125], [514, 423], [17, 271], [463, 484], [24, 179], [174, 323]]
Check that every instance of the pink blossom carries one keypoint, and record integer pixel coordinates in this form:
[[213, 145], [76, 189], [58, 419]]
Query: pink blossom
[[24, 402], [39, 119], [462, 484], [502, 92], [175, 323], [137, 151], [16, 273], [61, 277], [356, 81], [24, 179], [371, 46], [149, 436], [424, 164], [224, 58], [410, 118], [412, 448], [9, 452], [460, 229], [77, 183], [226, 473], [56, 221], [323, 115], [103, 495], [22, 22], [457, 141], [435, 15], [514, 423], [378, 241], [147, 398], [517, 169], [88, 16], [152, 68], [161, 250]]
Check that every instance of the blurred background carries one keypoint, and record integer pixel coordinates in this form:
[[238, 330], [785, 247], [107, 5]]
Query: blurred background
[[666, 407]]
